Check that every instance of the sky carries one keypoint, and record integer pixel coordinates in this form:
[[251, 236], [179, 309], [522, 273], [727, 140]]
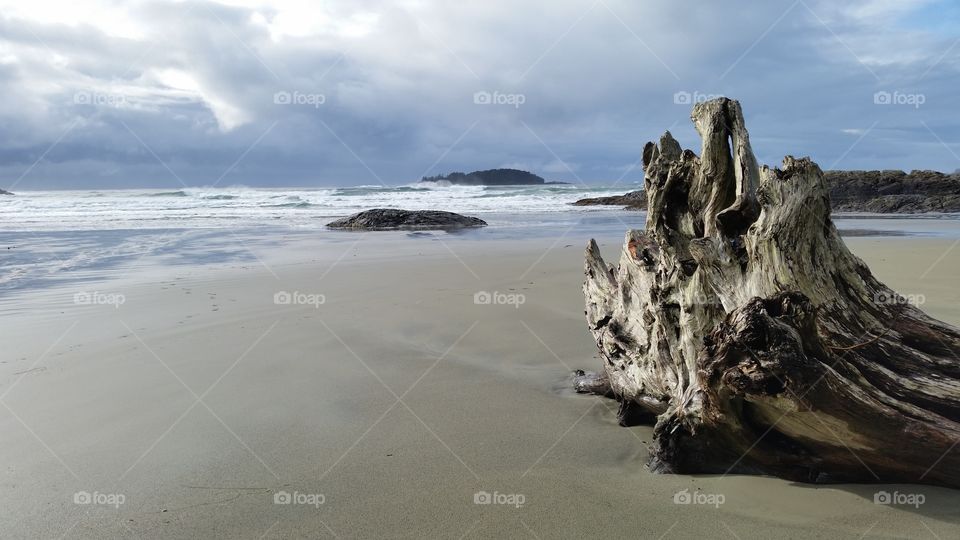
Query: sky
[[124, 94]]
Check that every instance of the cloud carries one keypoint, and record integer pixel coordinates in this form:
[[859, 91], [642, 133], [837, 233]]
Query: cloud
[[123, 94]]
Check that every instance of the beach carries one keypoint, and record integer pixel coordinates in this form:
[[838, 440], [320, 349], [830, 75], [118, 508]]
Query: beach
[[276, 269], [376, 385]]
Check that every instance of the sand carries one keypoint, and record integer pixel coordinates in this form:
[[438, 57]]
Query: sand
[[382, 411]]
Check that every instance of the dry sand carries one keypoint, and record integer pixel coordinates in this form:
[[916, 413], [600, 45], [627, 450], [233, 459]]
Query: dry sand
[[398, 399]]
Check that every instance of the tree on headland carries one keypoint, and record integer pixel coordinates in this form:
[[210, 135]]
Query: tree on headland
[[491, 177]]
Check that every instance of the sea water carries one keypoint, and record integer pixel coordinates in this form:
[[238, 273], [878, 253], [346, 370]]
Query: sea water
[[51, 237]]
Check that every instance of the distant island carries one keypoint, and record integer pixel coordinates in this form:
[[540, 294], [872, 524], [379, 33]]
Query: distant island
[[491, 177]]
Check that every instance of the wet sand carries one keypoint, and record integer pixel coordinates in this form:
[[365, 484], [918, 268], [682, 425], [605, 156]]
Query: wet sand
[[393, 403]]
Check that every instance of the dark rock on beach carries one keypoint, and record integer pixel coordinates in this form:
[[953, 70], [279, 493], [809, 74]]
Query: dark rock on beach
[[635, 200], [385, 219]]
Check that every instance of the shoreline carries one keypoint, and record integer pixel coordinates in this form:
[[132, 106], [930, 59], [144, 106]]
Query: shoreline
[[51, 258]]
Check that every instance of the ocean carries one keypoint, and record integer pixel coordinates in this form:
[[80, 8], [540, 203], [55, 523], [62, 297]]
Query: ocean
[[54, 237], [235, 207]]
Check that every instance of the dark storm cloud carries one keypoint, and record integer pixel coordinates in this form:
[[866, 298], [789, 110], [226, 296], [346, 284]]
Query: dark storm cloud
[[370, 92]]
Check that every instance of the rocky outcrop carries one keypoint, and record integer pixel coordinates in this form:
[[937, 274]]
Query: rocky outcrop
[[492, 177], [634, 200], [742, 326], [5, 192], [894, 191], [383, 219], [881, 192]]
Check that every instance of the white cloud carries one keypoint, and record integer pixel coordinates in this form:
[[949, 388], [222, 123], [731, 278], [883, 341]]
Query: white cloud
[[183, 84], [111, 17]]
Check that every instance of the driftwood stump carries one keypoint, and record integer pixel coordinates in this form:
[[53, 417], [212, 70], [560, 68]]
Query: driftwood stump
[[743, 325]]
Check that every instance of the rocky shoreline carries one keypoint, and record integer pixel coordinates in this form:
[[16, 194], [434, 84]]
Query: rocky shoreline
[[881, 192], [916, 192]]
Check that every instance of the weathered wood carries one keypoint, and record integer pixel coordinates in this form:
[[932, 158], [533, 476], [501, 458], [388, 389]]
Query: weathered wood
[[740, 321], [592, 382]]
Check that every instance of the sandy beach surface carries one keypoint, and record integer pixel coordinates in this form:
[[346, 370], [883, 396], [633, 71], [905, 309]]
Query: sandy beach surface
[[364, 388]]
